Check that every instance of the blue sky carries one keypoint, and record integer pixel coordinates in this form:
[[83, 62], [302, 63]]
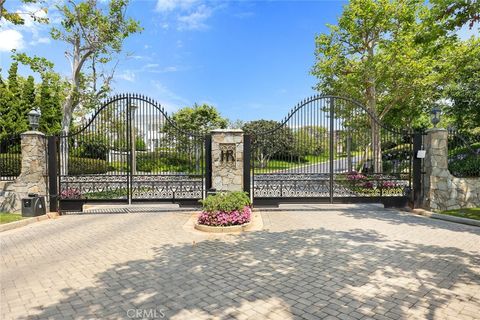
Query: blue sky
[[250, 59]]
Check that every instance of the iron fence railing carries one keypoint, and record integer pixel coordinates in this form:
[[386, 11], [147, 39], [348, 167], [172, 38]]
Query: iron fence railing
[[463, 153], [10, 157]]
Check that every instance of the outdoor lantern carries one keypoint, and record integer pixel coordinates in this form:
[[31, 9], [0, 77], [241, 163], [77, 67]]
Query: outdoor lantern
[[33, 119], [435, 115]]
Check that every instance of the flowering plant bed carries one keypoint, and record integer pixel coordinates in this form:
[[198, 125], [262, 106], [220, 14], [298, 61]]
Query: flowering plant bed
[[225, 209], [372, 185], [233, 218]]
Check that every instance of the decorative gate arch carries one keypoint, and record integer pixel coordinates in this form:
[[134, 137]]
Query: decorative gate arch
[[129, 150], [331, 149]]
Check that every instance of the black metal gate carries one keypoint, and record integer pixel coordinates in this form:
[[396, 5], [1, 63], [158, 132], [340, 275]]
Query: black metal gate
[[331, 149], [128, 151]]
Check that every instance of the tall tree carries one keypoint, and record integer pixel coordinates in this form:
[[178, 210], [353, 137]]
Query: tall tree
[[38, 14], [266, 146], [5, 103], [95, 34], [27, 103], [371, 55], [199, 119], [15, 115], [49, 102], [463, 87]]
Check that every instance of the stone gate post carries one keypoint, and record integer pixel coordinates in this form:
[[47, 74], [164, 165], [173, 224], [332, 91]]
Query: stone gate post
[[443, 191], [227, 160], [33, 174]]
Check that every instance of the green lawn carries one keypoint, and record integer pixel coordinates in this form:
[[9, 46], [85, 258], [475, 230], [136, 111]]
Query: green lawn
[[471, 213], [9, 217], [275, 165]]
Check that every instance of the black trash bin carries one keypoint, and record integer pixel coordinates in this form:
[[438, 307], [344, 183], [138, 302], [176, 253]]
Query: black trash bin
[[33, 206]]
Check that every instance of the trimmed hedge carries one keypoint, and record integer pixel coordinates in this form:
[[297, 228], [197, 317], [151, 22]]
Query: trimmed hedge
[[161, 161], [463, 163], [226, 202], [466, 167], [10, 164], [78, 166]]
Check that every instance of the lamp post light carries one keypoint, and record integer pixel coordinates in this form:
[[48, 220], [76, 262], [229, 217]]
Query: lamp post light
[[34, 118], [435, 115]]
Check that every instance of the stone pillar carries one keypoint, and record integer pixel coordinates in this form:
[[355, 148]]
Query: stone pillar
[[436, 168], [33, 176], [443, 191], [227, 160]]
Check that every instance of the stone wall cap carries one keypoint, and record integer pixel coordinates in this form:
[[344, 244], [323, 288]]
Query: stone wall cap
[[32, 133], [436, 130], [226, 130]]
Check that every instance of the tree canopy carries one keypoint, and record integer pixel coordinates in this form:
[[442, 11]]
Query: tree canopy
[[198, 119]]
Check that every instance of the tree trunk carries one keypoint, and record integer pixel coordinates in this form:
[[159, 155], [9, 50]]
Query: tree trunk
[[377, 147], [66, 120], [371, 98]]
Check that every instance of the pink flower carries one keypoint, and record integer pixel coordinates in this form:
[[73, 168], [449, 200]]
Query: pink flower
[[225, 218]]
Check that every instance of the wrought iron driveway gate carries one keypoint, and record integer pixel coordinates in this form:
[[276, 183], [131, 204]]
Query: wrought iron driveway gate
[[129, 150], [331, 149]]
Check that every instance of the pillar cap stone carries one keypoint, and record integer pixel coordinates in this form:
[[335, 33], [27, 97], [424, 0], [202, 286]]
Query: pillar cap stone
[[33, 133], [436, 130], [226, 131]]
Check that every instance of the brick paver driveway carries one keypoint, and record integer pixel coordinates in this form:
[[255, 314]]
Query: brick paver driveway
[[339, 263]]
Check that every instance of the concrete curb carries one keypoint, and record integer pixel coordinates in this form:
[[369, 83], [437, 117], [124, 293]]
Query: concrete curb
[[239, 228], [27, 221], [445, 217]]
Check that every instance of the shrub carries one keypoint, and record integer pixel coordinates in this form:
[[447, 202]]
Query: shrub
[[93, 146], [71, 193], [225, 209], [475, 147], [226, 202], [466, 167], [388, 145], [400, 152], [161, 161], [122, 144], [78, 166], [10, 165], [354, 176], [224, 219]]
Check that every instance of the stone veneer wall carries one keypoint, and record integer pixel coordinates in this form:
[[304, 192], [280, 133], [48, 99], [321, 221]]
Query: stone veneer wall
[[227, 176], [33, 176], [443, 191]]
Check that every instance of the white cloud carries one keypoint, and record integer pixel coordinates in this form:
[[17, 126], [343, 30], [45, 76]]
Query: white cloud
[[127, 75], [31, 32], [170, 5], [185, 14], [152, 65], [195, 20], [11, 39], [167, 98], [41, 40]]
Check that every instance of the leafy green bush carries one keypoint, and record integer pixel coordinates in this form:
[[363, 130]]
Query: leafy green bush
[[466, 167], [123, 145], [400, 152], [93, 146], [388, 145], [140, 144], [464, 150], [161, 161], [78, 166], [226, 202], [10, 165]]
